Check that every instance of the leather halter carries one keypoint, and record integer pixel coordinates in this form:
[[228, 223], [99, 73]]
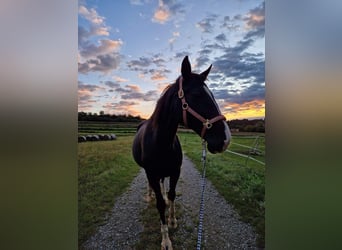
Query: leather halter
[[207, 124]]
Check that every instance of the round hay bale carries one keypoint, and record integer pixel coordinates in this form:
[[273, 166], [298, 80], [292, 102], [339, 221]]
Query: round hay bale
[[89, 138], [96, 137], [82, 138], [113, 136], [102, 137]]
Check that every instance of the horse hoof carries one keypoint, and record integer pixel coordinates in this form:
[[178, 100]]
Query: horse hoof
[[166, 245]]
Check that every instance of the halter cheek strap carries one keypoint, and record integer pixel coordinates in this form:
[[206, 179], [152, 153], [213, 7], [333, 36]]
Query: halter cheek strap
[[207, 124]]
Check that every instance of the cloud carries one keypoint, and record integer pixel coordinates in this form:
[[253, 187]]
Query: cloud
[[221, 37], [142, 62], [180, 55], [253, 109], [112, 84], [231, 23], [172, 40], [84, 34], [147, 66], [131, 92], [256, 17], [136, 2], [87, 87], [206, 25], [166, 10], [122, 107], [86, 95], [161, 15], [120, 79], [105, 46], [101, 63], [255, 22], [158, 60], [102, 56], [158, 76], [254, 92], [91, 15], [148, 96]]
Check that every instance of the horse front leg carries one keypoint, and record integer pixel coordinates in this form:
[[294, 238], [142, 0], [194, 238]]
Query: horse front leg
[[161, 205], [172, 221]]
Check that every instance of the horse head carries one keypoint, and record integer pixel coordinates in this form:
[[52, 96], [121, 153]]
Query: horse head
[[200, 110]]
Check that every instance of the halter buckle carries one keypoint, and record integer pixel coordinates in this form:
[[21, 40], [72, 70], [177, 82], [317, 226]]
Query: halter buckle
[[207, 124], [180, 94]]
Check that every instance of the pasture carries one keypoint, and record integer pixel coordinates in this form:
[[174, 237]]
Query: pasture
[[106, 169]]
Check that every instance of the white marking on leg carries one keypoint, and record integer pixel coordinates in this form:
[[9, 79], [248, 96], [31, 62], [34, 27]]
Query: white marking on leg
[[172, 221], [166, 242], [163, 191]]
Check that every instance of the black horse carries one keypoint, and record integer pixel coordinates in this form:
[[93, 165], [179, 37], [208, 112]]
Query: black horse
[[156, 147]]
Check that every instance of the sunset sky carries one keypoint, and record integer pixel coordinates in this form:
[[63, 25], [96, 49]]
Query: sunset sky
[[129, 51]]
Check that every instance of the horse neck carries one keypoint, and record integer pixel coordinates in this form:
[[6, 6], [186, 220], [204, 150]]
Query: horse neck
[[166, 117], [166, 132]]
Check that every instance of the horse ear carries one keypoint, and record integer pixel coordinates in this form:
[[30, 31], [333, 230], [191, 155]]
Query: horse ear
[[186, 67], [204, 74]]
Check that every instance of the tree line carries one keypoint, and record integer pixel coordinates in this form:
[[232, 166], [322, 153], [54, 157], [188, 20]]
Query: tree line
[[241, 125], [102, 117], [245, 125]]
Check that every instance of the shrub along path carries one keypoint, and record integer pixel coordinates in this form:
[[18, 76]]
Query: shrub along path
[[125, 228]]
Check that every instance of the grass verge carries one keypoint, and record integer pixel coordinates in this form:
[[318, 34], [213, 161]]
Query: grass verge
[[241, 184], [105, 170]]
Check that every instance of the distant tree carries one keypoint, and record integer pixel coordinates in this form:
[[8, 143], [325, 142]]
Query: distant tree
[[260, 126], [249, 128]]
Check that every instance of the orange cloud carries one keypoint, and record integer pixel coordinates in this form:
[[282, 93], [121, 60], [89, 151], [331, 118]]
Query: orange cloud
[[133, 87], [121, 108], [162, 14], [158, 77]]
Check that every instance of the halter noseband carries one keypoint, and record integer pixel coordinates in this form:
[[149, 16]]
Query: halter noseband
[[207, 124]]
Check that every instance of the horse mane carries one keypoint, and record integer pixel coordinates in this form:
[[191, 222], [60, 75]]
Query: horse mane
[[166, 107]]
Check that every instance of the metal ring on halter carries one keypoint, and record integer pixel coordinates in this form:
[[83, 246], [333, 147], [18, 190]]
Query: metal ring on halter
[[180, 93], [207, 124], [185, 106]]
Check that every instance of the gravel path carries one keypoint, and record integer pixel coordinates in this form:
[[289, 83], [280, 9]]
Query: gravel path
[[222, 228]]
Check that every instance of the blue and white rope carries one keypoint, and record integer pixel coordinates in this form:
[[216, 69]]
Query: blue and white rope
[[201, 212]]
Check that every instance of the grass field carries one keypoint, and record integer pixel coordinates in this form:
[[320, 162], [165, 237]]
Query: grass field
[[118, 128], [106, 169], [241, 184]]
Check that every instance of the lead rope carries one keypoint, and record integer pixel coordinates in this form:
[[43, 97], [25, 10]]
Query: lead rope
[[201, 212]]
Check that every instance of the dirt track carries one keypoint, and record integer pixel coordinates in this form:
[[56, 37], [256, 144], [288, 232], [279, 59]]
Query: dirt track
[[222, 228]]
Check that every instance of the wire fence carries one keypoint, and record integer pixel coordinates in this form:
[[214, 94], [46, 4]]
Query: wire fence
[[254, 150]]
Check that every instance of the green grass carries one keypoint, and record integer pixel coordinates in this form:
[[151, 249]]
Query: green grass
[[105, 170], [118, 128], [241, 184]]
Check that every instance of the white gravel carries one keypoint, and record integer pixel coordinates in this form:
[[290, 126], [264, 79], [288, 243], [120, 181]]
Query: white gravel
[[222, 227]]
